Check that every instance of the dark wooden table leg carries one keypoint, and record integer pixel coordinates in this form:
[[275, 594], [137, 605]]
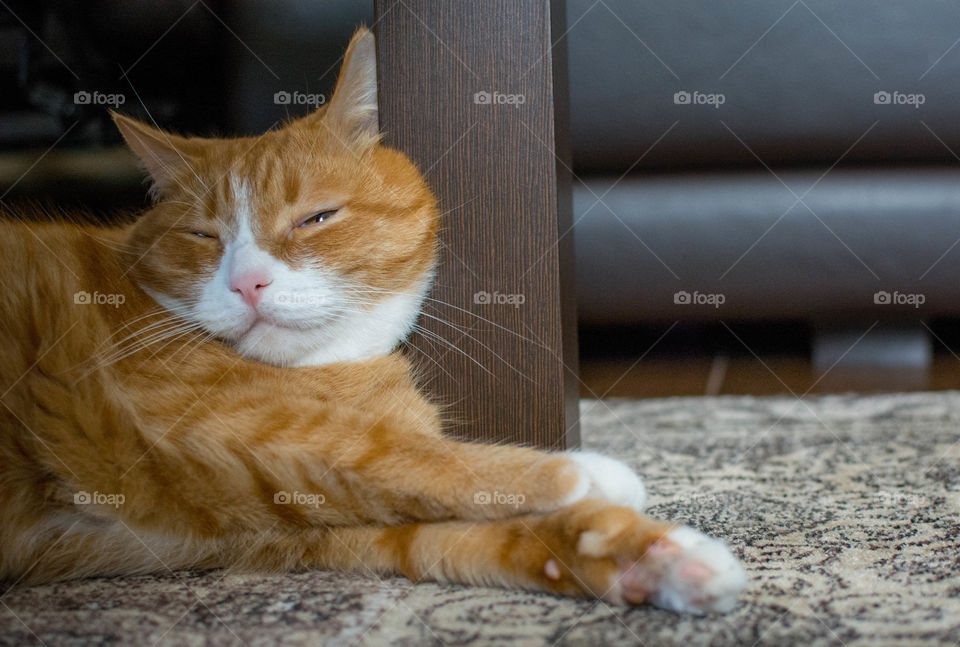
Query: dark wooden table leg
[[475, 93]]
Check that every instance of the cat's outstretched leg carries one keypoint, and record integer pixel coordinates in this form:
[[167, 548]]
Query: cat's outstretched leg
[[590, 549], [351, 467]]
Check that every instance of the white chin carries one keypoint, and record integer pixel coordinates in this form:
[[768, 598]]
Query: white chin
[[273, 344]]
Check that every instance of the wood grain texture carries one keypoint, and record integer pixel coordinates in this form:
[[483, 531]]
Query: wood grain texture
[[506, 370]]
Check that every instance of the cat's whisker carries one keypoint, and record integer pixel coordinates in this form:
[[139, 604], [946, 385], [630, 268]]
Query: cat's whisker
[[476, 340], [427, 356], [106, 344], [458, 309], [130, 322], [424, 332], [119, 354], [177, 310], [466, 333], [147, 329], [119, 358], [187, 331], [368, 302], [192, 336], [140, 344], [462, 352], [203, 339], [484, 320]]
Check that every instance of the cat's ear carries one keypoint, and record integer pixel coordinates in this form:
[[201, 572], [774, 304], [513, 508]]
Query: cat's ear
[[162, 154], [353, 109]]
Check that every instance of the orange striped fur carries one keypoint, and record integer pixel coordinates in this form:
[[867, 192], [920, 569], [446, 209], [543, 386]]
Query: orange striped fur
[[133, 439]]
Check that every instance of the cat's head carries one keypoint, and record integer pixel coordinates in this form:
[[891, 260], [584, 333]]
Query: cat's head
[[309, 244]]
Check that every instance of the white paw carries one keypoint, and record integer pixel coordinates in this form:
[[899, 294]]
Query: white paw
[[607, 479], [689, 572]]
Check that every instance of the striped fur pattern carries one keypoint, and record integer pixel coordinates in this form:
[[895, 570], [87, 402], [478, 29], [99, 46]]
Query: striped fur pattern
[[217, 385]]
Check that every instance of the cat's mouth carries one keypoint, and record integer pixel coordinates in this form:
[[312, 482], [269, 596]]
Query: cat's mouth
[[265, 323], [262, 330], [261, 321]]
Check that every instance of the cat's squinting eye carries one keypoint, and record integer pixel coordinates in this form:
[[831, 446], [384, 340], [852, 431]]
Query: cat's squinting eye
[[318, 217], [200, 234]]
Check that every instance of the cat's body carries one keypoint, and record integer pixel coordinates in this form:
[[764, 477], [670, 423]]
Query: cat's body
[[215, 385]]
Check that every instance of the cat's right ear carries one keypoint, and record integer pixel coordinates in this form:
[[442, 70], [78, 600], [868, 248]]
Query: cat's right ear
[[163, 155]]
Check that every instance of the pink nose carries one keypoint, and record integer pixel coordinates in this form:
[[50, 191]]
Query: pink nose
[[250, 285]]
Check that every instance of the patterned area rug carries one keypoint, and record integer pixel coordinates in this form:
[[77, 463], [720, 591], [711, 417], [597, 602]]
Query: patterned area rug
[[846, 511]]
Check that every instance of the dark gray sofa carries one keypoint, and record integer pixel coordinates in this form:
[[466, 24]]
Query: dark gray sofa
[[803, 195]]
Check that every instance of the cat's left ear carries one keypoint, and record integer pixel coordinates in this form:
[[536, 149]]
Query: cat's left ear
[[353, 110], [163, 155]]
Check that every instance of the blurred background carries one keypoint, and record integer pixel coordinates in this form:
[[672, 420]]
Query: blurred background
[[766, 193]]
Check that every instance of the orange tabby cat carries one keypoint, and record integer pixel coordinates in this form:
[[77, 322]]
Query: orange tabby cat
[[215, 385]]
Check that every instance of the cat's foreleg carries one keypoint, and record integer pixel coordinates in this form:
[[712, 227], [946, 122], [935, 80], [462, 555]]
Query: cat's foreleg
[[312, 463], [475, 481], [591, 549]]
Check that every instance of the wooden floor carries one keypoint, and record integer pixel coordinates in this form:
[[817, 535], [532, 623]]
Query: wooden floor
[[771, 375], [757, 359]]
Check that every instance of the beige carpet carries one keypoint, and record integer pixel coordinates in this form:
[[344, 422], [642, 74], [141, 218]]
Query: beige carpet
[[846, 511]]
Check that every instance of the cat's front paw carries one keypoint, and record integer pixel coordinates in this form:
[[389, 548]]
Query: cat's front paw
[[606, 479], [686, 571], [615, 554]]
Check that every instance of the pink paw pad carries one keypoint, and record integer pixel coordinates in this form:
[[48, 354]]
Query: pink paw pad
[[693, 573], [552, 569]]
